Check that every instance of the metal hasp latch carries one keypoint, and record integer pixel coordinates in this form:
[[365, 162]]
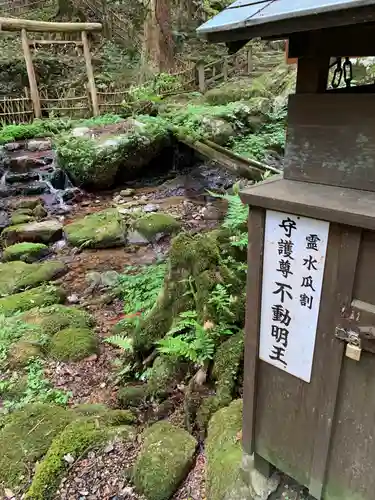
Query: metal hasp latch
[[354, 339]]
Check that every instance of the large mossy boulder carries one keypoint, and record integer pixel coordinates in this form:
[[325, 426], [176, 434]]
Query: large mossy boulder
[[73, 344], [224, 452], [35, 232], [99, 156], [52, 319], [164, 461], [27, 252], [26, 437], [155, 226], [16, 276], [41, 296], [104, 229], [49, 431]]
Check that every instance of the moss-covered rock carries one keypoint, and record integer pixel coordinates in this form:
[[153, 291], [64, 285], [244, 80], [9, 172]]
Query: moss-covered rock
[[73, 344], [40, 212], [17, 275], [27, 203], [227, 362], [99, 230], [164, 375], [26, 437], [224, 452], [22, 352], [37, 232], [132, 396], [57, 317], [114, 153], [164, 460], [36, 297], [76, 439], [155, 226], [27, 252], [20, 219]]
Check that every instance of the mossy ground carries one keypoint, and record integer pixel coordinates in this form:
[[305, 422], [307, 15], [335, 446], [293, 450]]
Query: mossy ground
[[99, 230], [164, 460], [224, 451], [27, 252]]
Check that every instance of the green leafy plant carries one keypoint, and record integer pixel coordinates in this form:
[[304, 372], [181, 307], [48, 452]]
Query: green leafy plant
[[236, 218], [11, 330], [38, 389], [140, 287], [190, 340], [124, 343]]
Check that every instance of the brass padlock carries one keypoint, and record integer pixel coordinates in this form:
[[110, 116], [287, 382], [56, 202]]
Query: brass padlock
[[353, 352]]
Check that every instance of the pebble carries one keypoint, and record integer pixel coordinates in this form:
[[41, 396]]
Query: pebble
[[73, 299], [69, 458], [151, 207], [127, 192]]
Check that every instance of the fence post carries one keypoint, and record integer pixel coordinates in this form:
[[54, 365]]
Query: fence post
[[31, 74], [90, 74], [249, 60], [225, 68], [201, 79]]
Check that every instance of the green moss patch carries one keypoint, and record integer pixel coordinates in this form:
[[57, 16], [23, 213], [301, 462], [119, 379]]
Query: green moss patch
[[20, 219], [27, 252], [73, 344], [224, 451], [52, 319], [17, 275], [154, 226], [75, 439], [26, 437], [37, 297], [164, 460], [227, 362], [99, 230]]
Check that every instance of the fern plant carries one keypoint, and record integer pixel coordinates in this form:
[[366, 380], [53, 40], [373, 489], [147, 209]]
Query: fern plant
[[140, 286], [190, 340], [121, 341], [236, 217]]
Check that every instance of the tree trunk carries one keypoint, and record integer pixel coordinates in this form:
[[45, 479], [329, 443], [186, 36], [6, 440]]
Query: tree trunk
[[158, 40]]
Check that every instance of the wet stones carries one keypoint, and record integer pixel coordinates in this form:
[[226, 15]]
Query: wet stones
[[36, 232]]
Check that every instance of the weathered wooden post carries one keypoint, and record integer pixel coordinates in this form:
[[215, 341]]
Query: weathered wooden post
[[31, 74], [90, 74], [201, 76], [309, 381]]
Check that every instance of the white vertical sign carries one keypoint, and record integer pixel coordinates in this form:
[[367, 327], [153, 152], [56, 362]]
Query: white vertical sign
[[293, 267]]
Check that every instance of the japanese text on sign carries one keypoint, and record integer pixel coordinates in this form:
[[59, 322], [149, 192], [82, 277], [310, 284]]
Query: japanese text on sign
[[293, 267]]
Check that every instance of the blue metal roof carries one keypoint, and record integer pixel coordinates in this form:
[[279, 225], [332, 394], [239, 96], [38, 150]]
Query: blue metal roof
[[249, 13]]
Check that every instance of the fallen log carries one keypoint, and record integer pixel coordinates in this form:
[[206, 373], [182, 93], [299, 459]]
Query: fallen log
[[234, 163]]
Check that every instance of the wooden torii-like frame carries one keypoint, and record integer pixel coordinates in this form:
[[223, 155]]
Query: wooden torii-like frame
[[25, 25]]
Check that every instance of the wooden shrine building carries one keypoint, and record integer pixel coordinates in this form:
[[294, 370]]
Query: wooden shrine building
[[309, 384]]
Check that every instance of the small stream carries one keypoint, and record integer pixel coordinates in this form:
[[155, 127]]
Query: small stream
[[31, 169]]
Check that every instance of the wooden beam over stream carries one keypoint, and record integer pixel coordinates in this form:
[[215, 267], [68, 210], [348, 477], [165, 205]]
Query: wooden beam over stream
[[238, 165]]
